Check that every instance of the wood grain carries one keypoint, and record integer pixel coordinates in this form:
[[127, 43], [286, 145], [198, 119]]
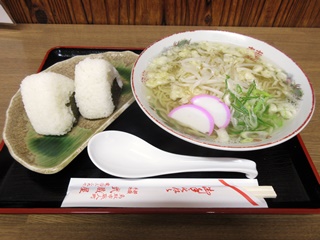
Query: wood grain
[[248, 13], [171, 226]]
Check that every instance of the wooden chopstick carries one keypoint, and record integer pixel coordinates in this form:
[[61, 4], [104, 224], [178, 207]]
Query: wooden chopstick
[[261, 191]]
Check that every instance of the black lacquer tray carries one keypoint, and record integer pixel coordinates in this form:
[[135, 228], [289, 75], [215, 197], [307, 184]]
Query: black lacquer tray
[[287, 167]]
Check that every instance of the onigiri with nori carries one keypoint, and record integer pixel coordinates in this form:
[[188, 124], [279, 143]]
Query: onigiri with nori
[[97, 88], [47, 99]]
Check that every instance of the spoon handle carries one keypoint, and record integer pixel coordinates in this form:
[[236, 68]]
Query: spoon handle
[[182, 163]]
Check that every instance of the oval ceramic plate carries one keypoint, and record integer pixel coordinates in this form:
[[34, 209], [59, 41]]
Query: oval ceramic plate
[[292, 128], [50, 154]]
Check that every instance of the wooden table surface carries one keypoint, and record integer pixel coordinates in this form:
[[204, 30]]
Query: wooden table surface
[[22, 47]]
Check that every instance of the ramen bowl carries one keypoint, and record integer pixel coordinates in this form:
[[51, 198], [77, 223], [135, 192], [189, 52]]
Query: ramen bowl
[[305, 106]]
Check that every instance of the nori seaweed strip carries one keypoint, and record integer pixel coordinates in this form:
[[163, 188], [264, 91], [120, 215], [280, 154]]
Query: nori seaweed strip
[[115, 92]]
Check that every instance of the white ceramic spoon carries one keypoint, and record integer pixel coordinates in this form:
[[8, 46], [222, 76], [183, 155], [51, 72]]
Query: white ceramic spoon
[[125, 155]]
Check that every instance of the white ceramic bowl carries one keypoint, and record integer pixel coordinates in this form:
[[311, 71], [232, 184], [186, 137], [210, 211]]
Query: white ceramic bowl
[[292, 128]]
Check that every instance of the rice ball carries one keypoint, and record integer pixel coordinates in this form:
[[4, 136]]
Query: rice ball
[[97, 85], [47, 99]]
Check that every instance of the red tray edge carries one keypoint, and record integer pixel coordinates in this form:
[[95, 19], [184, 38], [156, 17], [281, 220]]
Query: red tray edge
[[88, 210]]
